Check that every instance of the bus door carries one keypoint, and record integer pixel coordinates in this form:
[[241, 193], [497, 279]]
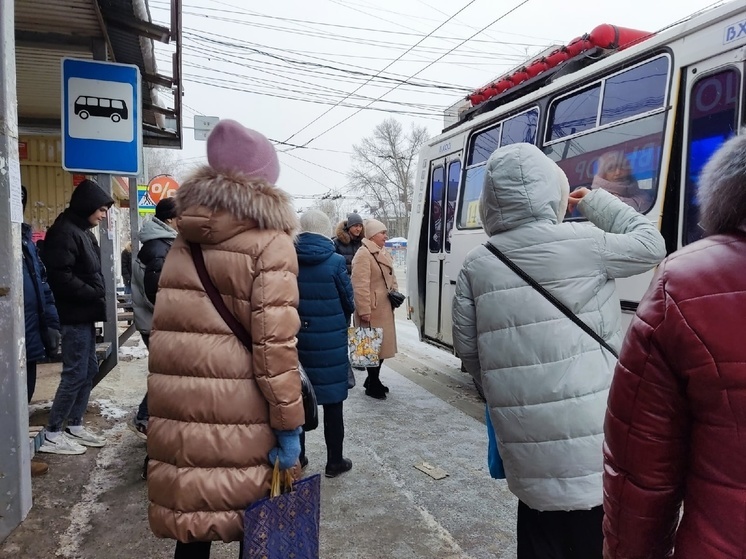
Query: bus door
[[713, 112], [442, 190]]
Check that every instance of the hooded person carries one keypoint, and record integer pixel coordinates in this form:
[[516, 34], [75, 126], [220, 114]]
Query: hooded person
[[221, 414], [349, 238], [42, 322], [546, 380], [674, 421], [73, 262], [326, 304], [156, 237], [372, 278]]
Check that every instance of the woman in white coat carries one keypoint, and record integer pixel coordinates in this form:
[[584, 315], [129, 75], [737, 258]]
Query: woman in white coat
[[546, 380]]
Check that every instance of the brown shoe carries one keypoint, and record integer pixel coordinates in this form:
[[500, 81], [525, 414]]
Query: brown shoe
[[38, 468]]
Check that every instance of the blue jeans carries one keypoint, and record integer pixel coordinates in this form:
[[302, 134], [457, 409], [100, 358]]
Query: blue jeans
[[79, 368]]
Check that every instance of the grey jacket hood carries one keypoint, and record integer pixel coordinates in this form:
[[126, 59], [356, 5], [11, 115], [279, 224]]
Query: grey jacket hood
[[154, 228], [521, 185]]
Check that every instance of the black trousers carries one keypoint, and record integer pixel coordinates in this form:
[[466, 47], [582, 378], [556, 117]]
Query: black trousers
[[197, 550], [334, 433], [375, 372], [30, 379], [560, 534]]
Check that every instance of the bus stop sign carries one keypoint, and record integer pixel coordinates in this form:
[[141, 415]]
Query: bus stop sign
[[101, 117]]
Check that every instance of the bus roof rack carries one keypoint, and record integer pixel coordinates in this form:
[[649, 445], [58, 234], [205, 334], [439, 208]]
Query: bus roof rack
[[582, 51]]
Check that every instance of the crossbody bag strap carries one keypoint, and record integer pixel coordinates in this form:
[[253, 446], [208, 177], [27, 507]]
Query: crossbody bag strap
[[549, 297], [217, 300], [380, 268]]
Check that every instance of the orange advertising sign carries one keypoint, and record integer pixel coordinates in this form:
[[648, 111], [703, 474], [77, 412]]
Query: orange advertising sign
[[162, 186]]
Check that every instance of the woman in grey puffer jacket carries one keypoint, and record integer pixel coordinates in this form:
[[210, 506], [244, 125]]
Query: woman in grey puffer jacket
[[546, 381]]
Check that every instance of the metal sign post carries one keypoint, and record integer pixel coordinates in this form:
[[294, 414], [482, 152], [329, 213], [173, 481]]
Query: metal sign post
[[15, 469]]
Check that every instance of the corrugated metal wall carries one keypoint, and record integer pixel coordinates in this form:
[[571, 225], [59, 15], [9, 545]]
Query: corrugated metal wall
[[49, 186]]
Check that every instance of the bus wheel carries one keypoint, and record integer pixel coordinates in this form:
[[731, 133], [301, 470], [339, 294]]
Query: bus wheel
[[83, 114], [115, 117]]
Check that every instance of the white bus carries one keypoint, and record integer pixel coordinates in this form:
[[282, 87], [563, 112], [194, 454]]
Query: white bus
[[664, 104]]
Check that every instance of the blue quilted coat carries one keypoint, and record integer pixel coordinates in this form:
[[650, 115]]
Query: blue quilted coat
[[326, 303]]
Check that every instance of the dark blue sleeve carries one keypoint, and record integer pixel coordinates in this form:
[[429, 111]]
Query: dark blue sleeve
[[344, 287], [51, 318]]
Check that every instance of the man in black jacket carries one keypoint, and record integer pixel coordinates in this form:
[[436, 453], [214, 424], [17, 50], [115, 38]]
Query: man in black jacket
[[73, 261], [157, 235]]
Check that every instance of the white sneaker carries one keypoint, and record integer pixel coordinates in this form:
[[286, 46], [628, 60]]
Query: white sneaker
[[85, 438], [61, 445]]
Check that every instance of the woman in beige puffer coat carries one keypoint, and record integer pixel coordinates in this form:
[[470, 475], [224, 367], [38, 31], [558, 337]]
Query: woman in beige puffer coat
[[372, 278], [216, 409]]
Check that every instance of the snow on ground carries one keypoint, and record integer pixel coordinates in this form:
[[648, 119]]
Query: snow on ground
[[130, 353], [109, 410]]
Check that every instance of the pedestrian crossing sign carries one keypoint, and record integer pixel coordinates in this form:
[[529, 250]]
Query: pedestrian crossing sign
[[145, 206]]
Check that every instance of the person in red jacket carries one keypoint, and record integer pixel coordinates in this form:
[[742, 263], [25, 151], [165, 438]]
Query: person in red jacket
[[676, 417]]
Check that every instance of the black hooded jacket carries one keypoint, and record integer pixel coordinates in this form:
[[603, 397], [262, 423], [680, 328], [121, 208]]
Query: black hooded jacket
[[345, 244], [73, 258]]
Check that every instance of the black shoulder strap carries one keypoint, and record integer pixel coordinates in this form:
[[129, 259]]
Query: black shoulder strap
[[380, 268], [212, 292], [549, 297]]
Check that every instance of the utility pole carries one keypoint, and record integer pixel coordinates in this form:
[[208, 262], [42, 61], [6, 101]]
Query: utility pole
[[15, 453]]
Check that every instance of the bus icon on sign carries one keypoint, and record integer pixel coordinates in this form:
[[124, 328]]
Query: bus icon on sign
[[115, 109]]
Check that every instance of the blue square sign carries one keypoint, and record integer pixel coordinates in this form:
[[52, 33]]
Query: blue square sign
[[101, 117]]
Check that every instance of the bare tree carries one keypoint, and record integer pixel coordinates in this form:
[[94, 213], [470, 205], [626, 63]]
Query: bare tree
[[163, 162], [383, 170]]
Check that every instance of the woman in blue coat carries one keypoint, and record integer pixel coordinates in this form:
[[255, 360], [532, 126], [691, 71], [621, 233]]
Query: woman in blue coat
[[326, 303]]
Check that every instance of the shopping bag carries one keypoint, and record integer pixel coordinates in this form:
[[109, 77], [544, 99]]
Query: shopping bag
[[364, 344], [494, 461], [285, 524]]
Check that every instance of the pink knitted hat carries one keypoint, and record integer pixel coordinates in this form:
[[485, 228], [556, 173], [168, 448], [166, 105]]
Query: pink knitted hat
[[233, 147]]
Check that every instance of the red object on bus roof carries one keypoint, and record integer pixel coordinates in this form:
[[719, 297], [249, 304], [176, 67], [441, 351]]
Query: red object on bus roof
[[605, 36], [612, 37]]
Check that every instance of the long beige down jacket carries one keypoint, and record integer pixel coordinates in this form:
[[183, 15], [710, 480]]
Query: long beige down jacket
[[213, 404], [371, 285]]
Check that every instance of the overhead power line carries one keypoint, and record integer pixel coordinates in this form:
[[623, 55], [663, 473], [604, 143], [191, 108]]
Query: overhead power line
[[524, 2], [382, 70]]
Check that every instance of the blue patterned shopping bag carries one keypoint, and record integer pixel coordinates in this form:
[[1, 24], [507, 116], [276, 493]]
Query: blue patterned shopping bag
[[285, 525]]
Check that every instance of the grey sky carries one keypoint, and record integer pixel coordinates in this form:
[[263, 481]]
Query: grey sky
[[254, 61]]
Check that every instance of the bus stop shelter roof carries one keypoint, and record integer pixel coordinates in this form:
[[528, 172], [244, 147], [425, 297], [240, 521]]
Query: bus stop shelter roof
[[114, 30]]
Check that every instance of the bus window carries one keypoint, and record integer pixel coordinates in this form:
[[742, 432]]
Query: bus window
[[575, 113], [635, 91], [454, 172], [520, 128], [482, 146], [712, 119], [623, 159], [436, 209]]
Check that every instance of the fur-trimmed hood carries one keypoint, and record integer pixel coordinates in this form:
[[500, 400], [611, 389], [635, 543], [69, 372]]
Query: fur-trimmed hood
[[342, 234], [215, 206]]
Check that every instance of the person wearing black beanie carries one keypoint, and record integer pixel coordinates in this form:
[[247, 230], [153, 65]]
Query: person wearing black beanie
[[156, 235], [73, 261]]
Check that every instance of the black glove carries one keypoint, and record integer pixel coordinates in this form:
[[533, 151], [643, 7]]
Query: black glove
[[52, 341]]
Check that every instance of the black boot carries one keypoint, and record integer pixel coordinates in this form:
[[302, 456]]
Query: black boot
[[385, 388], [333, 470]]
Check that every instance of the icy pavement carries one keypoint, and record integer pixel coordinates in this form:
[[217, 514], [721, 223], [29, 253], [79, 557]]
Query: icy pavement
[[95, 505]]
